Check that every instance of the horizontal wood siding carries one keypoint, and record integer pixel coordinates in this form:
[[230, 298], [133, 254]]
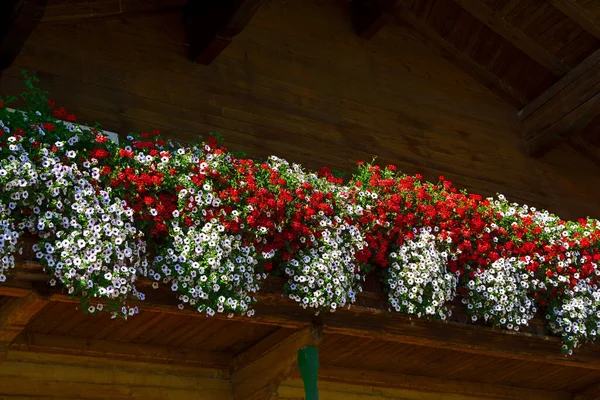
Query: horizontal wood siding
[[298, 83], [42, 376], [293, 390]]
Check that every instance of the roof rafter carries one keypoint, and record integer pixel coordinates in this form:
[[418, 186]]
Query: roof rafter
[[565, 109], [514, 35], [462, 60], [574, 11]]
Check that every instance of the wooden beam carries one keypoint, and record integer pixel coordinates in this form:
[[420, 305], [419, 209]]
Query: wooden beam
[[458, 337], [565, 109], [515, 36], [507, 8], [138, 352], [15, 315], [373, 322], [371, 378], [369, 16], [257, 372], [462, 60], [211, 25], [577, 13], [18, 18], [70, 12]]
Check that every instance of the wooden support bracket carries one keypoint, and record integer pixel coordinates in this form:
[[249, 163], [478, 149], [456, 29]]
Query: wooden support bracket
[[211, 25], [257, 373], [15, 315], [369, 16]]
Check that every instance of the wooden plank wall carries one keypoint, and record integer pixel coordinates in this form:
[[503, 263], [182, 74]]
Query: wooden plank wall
[[298, 83], [26, 375]]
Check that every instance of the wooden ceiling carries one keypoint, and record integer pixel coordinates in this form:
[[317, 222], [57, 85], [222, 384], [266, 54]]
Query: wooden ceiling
[[542, 56]]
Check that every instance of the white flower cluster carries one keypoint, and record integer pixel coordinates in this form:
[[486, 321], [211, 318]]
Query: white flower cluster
[[418, 282], [17, 179], [87, 237], [500, 294], [213, 270], [575, 316], [9, 237], [326, 275], [88, 240], [505, 209]]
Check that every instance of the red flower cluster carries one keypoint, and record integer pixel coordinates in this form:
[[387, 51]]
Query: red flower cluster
[[61, 113]]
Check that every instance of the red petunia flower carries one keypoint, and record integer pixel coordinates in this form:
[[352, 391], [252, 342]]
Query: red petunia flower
[[99, 153], [48, 126]]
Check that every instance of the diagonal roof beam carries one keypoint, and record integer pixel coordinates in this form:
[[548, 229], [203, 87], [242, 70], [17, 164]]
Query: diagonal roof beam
[[514, 35], [462, 60], [565, 109], [575, 11]]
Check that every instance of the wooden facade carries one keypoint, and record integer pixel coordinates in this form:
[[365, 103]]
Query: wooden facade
[[431, 86]]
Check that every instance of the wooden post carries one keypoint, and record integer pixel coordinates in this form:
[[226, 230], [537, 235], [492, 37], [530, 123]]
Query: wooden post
[[308, 362]]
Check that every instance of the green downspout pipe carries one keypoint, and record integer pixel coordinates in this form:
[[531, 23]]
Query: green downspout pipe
[[308, 362]]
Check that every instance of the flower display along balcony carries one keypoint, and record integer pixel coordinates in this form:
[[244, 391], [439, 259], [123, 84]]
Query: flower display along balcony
[[212, 226]]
